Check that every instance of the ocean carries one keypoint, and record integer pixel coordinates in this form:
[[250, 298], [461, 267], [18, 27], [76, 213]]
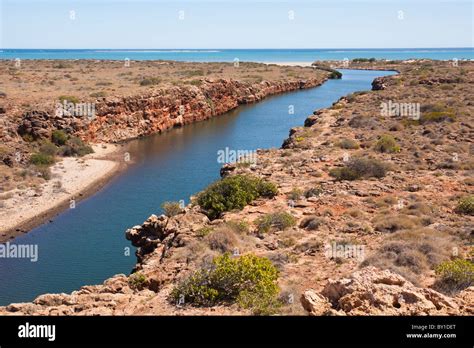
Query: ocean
[[230, 55]]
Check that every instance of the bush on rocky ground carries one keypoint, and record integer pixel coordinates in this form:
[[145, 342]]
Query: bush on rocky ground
[[386, 144], [171, 208], [41, 159], [454, 275], [466, 205], [412, 253], [137, 280], [360, 168], [347, 144], [233, 192], [248, 280], [277, 221], [59, 137], [223, 239]]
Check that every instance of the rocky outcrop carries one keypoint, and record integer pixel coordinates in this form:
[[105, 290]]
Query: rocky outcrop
[[118, 119], [378, 84], [371, 291], [35, 124], [157, 239]]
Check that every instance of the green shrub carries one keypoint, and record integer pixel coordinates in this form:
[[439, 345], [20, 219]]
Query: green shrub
[[233, 192], [466, 205], [278, 221], [171, 208], [455, 275], [346, 143], [137, 280], [248, 280], [59, 137], [69, 99], [360, 168], [41, 159], [387, 144]]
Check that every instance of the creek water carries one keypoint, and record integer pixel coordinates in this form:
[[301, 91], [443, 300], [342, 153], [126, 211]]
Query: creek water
[[86, 245]]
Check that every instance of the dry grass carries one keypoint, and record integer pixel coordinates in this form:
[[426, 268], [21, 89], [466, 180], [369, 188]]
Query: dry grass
[[413, 253]]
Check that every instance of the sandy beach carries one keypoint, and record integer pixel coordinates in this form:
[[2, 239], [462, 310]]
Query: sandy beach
[[72, 179]]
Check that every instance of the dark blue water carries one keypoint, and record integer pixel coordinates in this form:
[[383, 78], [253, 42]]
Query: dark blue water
[[86, 245], [254, 55]]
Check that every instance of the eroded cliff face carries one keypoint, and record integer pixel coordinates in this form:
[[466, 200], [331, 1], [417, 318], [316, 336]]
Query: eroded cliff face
[[406, 220], [136, 116], [120, 118]]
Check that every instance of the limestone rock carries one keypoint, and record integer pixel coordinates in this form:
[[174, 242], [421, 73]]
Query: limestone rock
[[371, 291]]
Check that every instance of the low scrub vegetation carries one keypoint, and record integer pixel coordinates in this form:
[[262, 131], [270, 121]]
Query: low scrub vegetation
[[278, 221], [454, 275], [393, 223], [466, 205], [59, 137], [360, 168], [137, 280], [437, 116], [171, 208], [295, 194], [41, 159], [75, 147], [387, 144], [248, 280], [233, 192], [223, 239], [412, 253], [347, 143]]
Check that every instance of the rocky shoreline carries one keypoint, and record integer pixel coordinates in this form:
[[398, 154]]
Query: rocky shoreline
[[405, 218]]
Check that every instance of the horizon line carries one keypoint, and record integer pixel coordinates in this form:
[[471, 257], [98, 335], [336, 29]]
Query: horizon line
[[216, 48]]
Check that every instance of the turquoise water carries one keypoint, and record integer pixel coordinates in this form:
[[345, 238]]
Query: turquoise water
[[86, 245], [255, 55]]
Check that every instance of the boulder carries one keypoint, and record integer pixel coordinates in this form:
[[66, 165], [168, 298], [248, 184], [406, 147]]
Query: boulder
[[372, 291]]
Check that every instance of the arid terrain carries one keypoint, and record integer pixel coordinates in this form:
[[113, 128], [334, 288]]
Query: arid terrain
[[111, 101], [366, 209]]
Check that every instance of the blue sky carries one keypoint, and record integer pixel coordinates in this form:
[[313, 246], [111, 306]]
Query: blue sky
[[236, 24]]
